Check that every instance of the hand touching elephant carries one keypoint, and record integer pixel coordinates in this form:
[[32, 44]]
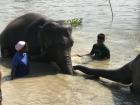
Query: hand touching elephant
[[128, 74]]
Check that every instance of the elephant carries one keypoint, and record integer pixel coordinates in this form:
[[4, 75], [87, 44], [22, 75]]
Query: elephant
[[48, 40], [128, 74]]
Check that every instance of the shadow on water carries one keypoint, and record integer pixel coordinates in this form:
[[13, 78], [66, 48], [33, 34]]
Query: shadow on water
[[121, 94], [36, 68]]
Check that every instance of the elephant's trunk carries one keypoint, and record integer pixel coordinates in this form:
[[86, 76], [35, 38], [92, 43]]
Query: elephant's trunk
[[64, 61], [122, 75]]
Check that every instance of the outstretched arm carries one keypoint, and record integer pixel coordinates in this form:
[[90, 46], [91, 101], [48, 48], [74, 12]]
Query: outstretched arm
[[92, 52], [82, 55]]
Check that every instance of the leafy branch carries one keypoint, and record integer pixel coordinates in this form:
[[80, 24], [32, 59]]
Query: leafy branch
[[75, 22]]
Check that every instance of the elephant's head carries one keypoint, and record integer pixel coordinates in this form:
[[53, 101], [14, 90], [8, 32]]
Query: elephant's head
[[56, 43]]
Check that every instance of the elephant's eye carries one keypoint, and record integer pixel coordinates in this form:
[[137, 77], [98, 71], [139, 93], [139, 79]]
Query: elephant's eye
[[65, 39], [67, 42]]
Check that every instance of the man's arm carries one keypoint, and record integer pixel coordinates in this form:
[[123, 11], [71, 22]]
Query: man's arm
[[92, 51], [13, 72], [107, 53]]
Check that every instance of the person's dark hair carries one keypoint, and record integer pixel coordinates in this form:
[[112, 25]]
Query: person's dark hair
[[101, 36]]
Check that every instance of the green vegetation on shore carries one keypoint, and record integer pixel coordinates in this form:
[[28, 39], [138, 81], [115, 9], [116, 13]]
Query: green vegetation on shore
[[75, 22]]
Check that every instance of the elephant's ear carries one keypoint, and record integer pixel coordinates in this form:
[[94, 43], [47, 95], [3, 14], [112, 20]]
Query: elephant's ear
[[50, 30], [51, 26], [40, 27], [68, 29], [45, 35], [68, 34]]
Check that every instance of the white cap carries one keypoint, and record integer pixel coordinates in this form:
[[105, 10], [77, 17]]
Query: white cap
[[20, 45]]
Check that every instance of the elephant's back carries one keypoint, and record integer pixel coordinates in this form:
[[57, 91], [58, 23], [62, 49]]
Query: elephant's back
[[18, 28]]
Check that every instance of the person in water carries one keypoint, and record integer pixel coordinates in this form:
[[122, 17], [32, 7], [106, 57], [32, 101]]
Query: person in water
[[20, 61], [99, 50]]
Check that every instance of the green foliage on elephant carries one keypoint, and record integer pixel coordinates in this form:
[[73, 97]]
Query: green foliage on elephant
[[75, 22]]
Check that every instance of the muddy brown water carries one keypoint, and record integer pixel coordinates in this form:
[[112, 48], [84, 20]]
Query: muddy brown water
[[44, 85]]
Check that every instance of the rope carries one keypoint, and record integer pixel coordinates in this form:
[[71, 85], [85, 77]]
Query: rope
[[111, 11]]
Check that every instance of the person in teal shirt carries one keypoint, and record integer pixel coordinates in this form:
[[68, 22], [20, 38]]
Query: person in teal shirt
[[99, 50], [20, 61]]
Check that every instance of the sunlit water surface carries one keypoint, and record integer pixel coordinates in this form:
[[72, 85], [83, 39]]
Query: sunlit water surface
[[122, 38]]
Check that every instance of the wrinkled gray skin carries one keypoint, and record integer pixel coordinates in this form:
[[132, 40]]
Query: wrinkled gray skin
[[47, 40], [128, 74]]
